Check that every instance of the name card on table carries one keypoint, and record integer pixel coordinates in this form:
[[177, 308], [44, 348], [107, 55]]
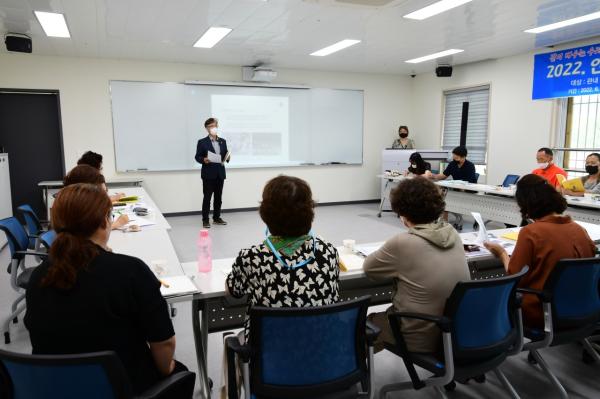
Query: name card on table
[[567, 73]]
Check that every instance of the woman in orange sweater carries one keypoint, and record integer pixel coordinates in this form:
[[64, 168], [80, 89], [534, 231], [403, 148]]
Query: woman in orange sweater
[[552, 237]]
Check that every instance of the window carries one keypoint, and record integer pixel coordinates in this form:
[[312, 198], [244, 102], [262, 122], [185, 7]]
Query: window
[[466, 121], [582, 133]]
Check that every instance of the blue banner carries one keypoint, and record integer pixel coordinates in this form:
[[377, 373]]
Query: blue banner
[[567, 73]]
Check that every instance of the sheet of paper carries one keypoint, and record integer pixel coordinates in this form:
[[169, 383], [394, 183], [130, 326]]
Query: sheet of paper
[[178, 285], [482, 235], [366, 250], [214, 158]]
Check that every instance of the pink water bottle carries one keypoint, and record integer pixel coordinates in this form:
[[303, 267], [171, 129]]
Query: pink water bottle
[[204, 245]]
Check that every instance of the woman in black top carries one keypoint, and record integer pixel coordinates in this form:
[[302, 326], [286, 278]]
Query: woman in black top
[[87, 299], [417, 165]]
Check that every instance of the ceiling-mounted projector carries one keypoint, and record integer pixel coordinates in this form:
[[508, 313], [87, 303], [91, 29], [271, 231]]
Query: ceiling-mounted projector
[[258, 74]]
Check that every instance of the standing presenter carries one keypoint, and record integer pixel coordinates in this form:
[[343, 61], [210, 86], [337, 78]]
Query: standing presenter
[[211, 153]]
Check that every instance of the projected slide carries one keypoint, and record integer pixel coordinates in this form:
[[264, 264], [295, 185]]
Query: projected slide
[[256, 127]]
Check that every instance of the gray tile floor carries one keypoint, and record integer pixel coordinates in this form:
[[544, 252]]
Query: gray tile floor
[[336, 223]]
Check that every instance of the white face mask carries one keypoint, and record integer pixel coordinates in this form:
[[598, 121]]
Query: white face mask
[[213, 131], [543, 165]]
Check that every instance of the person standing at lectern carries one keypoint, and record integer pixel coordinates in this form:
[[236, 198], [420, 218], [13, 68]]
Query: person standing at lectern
[[212, 172]]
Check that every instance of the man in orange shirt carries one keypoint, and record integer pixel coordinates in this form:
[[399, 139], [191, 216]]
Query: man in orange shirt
[[546, 168]]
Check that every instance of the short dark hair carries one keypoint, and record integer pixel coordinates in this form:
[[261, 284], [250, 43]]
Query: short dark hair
[[537, 198], [547, 151], [210, 121], [83, 174], [418, 200], [461, 151], [287, 206], [91, 158], [404, 127]]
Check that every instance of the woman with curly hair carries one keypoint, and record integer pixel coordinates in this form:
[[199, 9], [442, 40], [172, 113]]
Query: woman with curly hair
[[425, 264]]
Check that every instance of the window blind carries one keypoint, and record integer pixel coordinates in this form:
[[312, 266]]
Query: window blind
[[477, 122]]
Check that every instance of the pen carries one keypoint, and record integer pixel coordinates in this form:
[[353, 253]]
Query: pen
[[163, 283]]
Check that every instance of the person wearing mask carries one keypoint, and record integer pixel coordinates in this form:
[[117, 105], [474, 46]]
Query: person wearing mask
[[84, 298], [94, 160], [212, 173], [403, 142], [460, 168], [291, 267], [551, 237], [87, 174], [546, 167], [417, 166], [424, 262], [591, 182]]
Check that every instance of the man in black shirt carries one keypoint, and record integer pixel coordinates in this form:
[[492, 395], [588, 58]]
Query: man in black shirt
[[460, 168]]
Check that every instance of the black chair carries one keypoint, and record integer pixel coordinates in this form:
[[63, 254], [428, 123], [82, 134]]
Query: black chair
[[312, 352], [98, 375], [481, 326], [18, 243], [571, 306]]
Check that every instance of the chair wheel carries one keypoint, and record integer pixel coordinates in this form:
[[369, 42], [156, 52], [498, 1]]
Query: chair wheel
[[450, 387], [531, 359], [480, 379], [7, 338], [587, 358], [210, 383], [15, 320]]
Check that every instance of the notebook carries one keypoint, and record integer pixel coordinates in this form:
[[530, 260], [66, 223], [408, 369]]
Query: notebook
[[575, 185], [178, 286]]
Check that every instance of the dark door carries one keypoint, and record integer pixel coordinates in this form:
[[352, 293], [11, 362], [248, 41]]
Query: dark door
[[30, 132]]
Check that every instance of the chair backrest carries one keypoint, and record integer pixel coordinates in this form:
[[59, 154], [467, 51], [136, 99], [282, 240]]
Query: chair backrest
[[573, 286], [34, 226], [307, 352], [97, 375], [510, 179], [47, 238], [476, 177], [15, 235], [483, 314]]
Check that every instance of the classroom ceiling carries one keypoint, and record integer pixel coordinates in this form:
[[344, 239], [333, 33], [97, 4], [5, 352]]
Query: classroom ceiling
[[282, 33]]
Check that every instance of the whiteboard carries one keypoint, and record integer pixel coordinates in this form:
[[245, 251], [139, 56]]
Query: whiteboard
[[156, 126]]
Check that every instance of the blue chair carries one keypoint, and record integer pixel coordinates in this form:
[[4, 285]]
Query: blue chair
[[311, 352], [510, 179], [35, 226], [98, 375], [476, 178], [571, 305], [47, 238], [481, 326], [18, 243]]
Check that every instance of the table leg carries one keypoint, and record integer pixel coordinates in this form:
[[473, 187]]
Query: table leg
[[200, 328], [383, 197]]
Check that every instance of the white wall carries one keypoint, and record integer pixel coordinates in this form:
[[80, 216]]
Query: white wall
[[87, 123], [518, 126]]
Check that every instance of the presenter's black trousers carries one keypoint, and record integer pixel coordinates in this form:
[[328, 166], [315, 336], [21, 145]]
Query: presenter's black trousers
[[210, 187]]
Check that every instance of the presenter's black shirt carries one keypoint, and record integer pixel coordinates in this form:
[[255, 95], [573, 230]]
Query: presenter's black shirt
[[115, 305], [466, 172]]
